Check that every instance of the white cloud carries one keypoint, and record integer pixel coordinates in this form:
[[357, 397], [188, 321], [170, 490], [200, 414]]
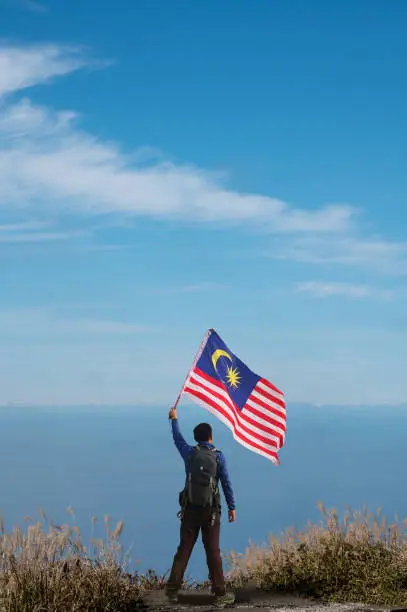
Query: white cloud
[[48, 163], [189, 288], [22, 67], [336, 216], [33, 6], [22, 227], [35, 231], [29, 5], [380, 254], [32, 237], [43, 323], [349, 290], [89, 326]]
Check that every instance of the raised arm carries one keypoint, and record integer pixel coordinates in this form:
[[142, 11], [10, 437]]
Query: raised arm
[[227, 487], [183, 447]]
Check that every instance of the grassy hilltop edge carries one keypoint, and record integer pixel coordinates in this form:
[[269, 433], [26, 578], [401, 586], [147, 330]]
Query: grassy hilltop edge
[[361, 558]]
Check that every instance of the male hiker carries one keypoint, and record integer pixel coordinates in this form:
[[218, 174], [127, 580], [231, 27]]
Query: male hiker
[[200, 508]]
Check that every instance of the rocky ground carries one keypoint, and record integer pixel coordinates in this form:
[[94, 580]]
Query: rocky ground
[[249, 600]]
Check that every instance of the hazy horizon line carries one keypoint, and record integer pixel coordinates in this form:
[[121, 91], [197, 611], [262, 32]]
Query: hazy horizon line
[[156, 405]]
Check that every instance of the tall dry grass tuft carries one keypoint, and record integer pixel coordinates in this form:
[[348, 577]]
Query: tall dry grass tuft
[[46, 567], [360, 558]]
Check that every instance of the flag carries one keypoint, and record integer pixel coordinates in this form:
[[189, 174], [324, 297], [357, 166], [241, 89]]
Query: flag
[[251, 406]]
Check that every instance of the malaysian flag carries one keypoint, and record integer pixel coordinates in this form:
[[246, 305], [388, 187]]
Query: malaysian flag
[[251, 406]]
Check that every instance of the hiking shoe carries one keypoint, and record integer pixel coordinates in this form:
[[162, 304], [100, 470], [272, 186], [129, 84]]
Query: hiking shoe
[[221, 601], [172, 596]]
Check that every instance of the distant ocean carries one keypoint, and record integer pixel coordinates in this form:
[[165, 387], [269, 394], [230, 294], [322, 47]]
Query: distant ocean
[[122, 462]]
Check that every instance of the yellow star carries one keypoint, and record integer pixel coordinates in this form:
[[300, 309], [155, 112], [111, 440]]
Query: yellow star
[[233, 377]]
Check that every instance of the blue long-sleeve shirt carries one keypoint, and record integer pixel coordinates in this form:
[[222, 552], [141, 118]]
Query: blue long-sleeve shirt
[[185, 451]]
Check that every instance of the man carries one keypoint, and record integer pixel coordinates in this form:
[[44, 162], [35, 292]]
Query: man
[[196, 517]]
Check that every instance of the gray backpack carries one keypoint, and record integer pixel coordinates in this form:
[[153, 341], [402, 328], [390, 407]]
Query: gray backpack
[[201, 488]]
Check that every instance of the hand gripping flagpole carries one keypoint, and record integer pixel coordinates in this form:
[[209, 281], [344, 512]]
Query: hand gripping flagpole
[[197, 356]]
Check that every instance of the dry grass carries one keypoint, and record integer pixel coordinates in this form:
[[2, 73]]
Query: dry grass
[[47, 568], [361, 558]]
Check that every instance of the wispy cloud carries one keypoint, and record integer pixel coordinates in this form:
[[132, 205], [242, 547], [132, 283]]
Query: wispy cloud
[[347, 250], [34, 6], [32, 237], [22, 67], [46, 323], [23, 226], [28, 232], [89, 326], [319, 289], [190, 288], [28, 5], [47, 161]]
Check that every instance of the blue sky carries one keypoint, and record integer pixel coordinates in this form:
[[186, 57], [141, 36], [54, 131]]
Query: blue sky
[[166, 167]]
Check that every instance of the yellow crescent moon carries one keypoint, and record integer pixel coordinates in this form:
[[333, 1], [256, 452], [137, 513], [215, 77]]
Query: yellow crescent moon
[[218, 353]]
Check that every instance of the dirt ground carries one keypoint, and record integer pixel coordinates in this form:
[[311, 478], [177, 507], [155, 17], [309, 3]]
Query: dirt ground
[[250, 599]]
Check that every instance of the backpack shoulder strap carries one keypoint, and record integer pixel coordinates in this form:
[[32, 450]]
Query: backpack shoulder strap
[[192, 455], [218, 454]]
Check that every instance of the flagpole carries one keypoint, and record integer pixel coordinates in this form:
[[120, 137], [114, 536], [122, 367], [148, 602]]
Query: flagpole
[[197, 356]]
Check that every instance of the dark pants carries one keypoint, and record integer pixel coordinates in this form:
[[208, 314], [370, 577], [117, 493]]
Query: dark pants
[[193, 521]]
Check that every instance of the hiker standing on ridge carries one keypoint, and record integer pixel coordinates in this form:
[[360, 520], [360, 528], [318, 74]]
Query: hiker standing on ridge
[[200, 508]]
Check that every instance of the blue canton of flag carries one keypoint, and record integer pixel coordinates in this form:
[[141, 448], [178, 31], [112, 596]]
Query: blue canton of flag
[[218, 361], [251, 406]]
